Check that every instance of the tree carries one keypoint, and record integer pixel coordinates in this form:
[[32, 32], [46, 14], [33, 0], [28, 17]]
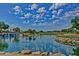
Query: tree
[[3, 26], [34, 30], [75, 26], [41, 31], [17, 29], [31, 31], [6, 27], [64, 30], [75, 23], [76, 51]]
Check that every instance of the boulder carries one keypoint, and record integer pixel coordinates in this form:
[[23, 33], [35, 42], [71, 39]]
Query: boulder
[[7, 54], [26, 52], [15, 53], [58, 54], [50, 54], [37, 53], [44, 53], [2, 53]]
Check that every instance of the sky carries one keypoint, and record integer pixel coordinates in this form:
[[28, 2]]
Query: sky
[[39, 16]]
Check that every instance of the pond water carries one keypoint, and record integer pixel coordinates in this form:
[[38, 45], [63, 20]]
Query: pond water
[[47, 43]]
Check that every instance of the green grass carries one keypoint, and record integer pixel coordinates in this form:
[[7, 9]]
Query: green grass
[[70, 36]]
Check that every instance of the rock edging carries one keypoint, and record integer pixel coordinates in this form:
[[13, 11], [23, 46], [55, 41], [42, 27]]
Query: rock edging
[[30, 53], [68, 41]]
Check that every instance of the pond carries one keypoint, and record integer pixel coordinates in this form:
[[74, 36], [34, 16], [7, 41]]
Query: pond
[[44, 43]]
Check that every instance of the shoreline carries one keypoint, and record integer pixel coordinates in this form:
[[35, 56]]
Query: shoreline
[[30, 53], [68, 41]]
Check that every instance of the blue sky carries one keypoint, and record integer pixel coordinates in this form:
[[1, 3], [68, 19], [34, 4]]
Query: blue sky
[[44, 16]]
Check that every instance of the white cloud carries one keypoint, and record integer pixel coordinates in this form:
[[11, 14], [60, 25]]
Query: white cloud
[[42, 24], [54, 12], [41, 10], [39, 24], [28, 8], [25, 22], [38, 16], [22, 17], [27, 15], [16, 13], [72, 13], [59, 11], [47, 15], [55, 21], [42, 15], [56, 5], [17, 8], [35, 21], [13, 25], [77, 8], [51, 7], [34, 6], [53, 16]]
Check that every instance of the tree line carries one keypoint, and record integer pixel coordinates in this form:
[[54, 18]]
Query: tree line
[[73, 29], [5, 27], [74, 26]]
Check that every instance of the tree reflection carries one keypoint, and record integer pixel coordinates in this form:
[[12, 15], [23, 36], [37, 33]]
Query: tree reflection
[[32, 38], [3, 46], [16, 39]]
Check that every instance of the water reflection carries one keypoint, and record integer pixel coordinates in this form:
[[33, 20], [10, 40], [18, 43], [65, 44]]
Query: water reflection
[[46, 43], [16, 39], [3, 44], [30, 38]]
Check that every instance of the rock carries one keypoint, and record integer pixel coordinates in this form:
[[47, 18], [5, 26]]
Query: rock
[[14, 53], [37, 53], [44, 53], [7, 54], [26, 52], [2, 53], [50, 54], [58, 54], [68, 41]]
